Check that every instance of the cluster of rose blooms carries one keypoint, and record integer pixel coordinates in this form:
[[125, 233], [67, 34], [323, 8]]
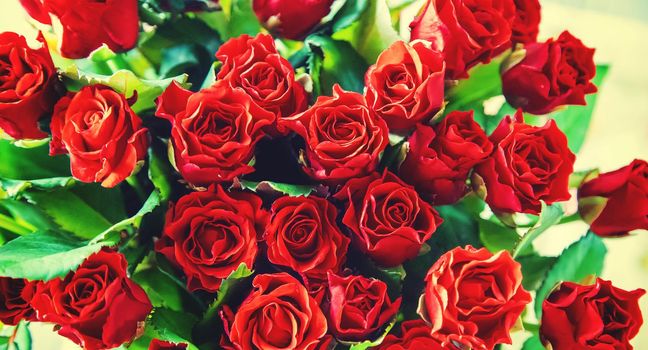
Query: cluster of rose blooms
[[310, 298]]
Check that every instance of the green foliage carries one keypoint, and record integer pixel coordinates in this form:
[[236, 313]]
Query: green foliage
[[549, 216], [496, 237], [15, 337], [30, 164], [236, 18], [168, 325], [226, 290], [269, 186], [533, 343], [371, 343]]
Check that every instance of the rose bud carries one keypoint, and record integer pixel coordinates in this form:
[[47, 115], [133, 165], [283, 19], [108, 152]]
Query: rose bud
[[98, 306], [388, 220], [344, 138], [103, 136], [359, 307], [278, 314], [406, 84], [213, 131], [291, 19], [467, 32], [551, 74], [88, 24], [254, 65], [27, 86], [472, 294], [440, 158], [209, 234], [15, 298], [302, 234], [597, 316], [530, 164], [616, 202], [157, 344], [526, 23]]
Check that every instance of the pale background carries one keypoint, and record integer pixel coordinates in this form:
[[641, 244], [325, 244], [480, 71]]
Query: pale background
[[619, 132]]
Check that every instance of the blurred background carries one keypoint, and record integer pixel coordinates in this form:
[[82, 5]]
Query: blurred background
[[618, 134]]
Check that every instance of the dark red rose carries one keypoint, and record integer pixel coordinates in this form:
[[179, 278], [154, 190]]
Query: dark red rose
[[406, 84], [213, 131], [468, 32], [440, 158], [359, 307], [527, 21], [302, 234], [475, 295], [15, 298], [291, 19], [98, 306], [530, 164], [254, 65], [209, 234], [157, 344], [103, 136], [616, 202], [278, 314], [27, 86], [551, 74], [87, 24], [343, 137], [415, 334], [388, 220], [599, 316]]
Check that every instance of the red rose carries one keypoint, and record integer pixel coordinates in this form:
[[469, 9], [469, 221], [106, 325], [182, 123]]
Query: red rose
[[359, 307], [302, 234], [415, 334], [291, 19], [530, 164], [87, 24], [15, 298], [551, 74], [616, 202], [254, 65], [157, 344], [598, 316], [468, 32], [278, 314], [97, 306], [440, 158], [472, 293], [213, 131], [388, 220], [209, 234], [406, 84], [527, 21], [103, 136], [343, 137], [27, 86]]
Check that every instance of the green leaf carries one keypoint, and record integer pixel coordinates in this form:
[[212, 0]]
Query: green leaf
[[176, 59], [31, 163], [372, 33], [227, 287], [158, 172], [533, 343], [534, 269], [43, 255], [168, 325], [583, 258], [134, 221], [15, 187], [238, 18], [371, 343], [160, 289], [350, 12], [484, 83], [549, 216], [265, 186], [334, 62], [27, 215], [496, 237], [20, 338]]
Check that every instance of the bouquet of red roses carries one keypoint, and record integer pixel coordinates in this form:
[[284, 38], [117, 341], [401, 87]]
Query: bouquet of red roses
[[293, 174]]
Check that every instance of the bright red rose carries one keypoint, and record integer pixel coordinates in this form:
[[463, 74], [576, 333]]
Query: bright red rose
[[388, 220], [468, 32], [103, 136], [209, 234], [471, 293], [213, 131], [15, 298], [616, 202], [527, 21], [440, 158], [343, 137], [599, 316], [97, 306], [530, 164], [406, 85], [415, 334], [157, 344], [278, 314], [358, 307], [87, 24], [291, 19], [551, 74], [302, 234], [27, 86], [254, 65]]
